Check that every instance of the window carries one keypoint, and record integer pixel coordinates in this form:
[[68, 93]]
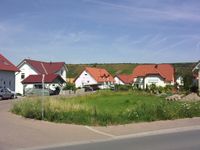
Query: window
[[62, 71], [22, 75], [9, 83]]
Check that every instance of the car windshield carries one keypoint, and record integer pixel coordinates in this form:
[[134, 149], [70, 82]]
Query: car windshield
[[8, 89]]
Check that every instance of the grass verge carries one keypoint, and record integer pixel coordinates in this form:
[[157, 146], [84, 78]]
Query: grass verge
[[106, 108]]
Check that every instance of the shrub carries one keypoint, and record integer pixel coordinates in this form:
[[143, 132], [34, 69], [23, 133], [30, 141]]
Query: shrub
[[69, 86], [194, 88], [119, 87]]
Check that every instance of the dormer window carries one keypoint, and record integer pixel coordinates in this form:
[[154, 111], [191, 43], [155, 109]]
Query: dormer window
[[22, 75]]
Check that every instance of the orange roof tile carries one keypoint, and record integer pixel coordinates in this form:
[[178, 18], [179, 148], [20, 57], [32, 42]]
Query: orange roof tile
[[99, 74], [166, 71], [127, 79]]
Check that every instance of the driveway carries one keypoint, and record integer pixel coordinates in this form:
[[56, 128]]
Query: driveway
[[19, 133]]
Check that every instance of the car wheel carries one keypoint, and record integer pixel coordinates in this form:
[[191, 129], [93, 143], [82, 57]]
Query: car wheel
[[0, 97]]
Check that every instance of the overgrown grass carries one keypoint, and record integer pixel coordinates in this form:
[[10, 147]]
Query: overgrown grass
[[106, 108]]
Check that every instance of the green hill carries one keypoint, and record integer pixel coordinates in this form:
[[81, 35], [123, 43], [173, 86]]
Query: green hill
[[126, 68]]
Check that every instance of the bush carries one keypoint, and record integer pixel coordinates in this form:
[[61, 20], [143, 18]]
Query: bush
[[159, 89], [119, 87], [194, 88], [70, 86]]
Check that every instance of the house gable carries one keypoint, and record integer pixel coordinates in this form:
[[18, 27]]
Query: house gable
[[99, 74], [197, 67], [84, 79], [125, 79], [6, 65], [118, 80]]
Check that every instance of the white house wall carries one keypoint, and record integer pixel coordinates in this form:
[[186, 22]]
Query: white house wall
[[157, 80], [63, 73], [84, 79], [7, 79], [27, 70], [118, 81], [180, 81]]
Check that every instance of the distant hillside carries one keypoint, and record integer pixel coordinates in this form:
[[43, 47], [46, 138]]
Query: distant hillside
[[125, 68]]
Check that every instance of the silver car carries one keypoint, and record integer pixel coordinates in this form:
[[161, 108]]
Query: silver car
[[6, 93]]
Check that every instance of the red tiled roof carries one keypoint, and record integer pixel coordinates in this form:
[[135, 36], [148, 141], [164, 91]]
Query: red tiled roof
[[99, 74], [45, 67], [6, 65], [166, 71], [49, 78], [127, 79]]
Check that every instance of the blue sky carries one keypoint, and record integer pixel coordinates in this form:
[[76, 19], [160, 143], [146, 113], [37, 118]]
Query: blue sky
[[100, 31]]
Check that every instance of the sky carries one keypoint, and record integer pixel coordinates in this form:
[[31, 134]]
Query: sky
[[100, 31]]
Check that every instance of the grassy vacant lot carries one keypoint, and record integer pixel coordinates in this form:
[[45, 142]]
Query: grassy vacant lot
[[106, 108]]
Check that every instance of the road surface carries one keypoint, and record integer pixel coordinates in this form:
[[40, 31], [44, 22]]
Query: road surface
[[187, 140]]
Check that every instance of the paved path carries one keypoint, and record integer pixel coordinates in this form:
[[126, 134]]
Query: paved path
[[19, 133]]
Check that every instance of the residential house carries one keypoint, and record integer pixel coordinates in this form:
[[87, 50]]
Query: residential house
[[31, 71], [7, 73], [158, 74], [94, 77], [196, 70], [123, 79]]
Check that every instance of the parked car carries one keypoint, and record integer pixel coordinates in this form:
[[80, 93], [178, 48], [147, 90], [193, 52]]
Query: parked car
[[15, 94], [54, 92], [6, 93]]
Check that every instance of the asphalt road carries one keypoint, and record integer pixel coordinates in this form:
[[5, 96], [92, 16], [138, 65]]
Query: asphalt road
[[189, 140]]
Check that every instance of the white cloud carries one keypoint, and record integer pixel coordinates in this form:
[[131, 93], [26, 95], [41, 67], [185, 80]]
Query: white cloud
[[162, 12]]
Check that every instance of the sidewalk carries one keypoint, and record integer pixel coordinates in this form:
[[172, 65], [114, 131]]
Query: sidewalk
[[20, 133]]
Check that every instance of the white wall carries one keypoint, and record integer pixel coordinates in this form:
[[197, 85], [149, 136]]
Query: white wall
[[118, 81], [7, 79], [180, 81], [63, 73], [27, 70], [139, 82], [84, 79], [157, 80]]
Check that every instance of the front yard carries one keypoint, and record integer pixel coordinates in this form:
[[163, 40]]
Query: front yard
[[106, 108]]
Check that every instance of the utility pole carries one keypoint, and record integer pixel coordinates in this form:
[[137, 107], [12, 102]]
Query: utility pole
[[42, 101]]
